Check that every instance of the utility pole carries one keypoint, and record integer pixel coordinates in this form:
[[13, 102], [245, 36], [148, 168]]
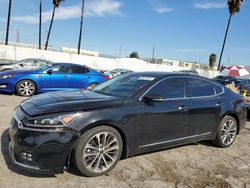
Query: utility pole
[[17, 36], [81, 24], [153, 55], [120, 51], [8, 24], [40, 26]]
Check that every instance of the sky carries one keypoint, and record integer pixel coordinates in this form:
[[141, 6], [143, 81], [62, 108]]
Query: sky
[[187, 30]]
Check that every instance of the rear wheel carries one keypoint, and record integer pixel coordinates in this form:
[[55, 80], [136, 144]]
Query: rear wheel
[[26, 88], [227, 132], [98, 151]]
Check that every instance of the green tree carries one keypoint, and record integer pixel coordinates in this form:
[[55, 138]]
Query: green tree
[[134, 55], [212, 60], [56, 4], [234, 7]]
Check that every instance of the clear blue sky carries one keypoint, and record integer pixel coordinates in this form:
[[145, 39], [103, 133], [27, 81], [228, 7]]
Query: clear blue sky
[[178, 29]]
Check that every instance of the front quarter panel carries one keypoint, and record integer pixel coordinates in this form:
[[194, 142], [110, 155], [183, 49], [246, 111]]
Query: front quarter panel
[[121, 117]]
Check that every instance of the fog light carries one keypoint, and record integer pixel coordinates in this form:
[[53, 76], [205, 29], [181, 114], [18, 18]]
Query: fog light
[[26, 156]]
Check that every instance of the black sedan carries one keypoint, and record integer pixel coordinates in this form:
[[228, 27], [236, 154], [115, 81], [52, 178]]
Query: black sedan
[[129, 115], [227, 80]]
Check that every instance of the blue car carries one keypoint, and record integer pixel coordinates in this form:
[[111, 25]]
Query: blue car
[[56, 77]]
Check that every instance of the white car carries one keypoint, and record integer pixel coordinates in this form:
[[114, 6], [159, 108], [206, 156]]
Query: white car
[[116, 72], [25, 64]]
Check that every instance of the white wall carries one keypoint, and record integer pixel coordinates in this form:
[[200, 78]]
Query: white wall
[[18, 53]]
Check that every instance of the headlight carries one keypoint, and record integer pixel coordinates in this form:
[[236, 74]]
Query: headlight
[[7, 76], [58, 121]]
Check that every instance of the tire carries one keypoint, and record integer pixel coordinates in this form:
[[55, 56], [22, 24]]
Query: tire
[[226, 133], [91, 86], [92, 160], [26, 88]]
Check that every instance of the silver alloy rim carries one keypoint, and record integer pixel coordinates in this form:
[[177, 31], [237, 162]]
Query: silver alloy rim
[[228, 132], [101, 152], [26, 88]]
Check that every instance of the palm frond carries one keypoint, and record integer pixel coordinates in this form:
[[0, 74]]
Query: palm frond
[[234, 6]]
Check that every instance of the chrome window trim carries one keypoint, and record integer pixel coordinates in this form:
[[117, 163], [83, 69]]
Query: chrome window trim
[[174, 140], [209, 96]]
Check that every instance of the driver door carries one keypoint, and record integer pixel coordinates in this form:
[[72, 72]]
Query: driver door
[[159, 123], [56, 78]]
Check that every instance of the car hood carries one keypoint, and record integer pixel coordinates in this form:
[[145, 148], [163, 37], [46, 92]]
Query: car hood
[[16, 72], [67, 101]]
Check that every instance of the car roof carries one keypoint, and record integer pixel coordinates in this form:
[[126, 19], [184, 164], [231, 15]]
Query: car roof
[[69, 64], [161, 75], [36, 59]]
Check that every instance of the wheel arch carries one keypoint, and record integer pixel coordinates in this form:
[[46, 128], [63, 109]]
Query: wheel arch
[[236, 117], [125, 150], [37, 88]]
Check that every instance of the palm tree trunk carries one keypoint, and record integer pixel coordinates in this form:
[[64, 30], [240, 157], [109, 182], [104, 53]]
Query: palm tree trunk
[[40, 26], [224, 42], [51, 23], [8, 24], [80, 36]]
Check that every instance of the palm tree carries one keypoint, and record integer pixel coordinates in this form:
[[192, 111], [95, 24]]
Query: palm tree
[[40, 26], [80, 36], [8, 24], [234, 7], [56, 4], [212, 60]]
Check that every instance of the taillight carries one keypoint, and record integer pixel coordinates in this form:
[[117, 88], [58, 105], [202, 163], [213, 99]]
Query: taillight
[[106, 77]]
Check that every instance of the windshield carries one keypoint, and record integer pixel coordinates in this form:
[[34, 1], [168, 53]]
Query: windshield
[[124, 86]]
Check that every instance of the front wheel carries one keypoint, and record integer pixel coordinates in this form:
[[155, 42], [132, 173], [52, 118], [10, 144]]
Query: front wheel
[[98, 151], [227, 132], [26, 88]]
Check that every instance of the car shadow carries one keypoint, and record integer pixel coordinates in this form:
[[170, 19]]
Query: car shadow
[[10, 165]]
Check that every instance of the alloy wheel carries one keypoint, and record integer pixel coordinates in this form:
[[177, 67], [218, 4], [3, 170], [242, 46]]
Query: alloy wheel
[[101, 152], [228, 132], [26, 88]]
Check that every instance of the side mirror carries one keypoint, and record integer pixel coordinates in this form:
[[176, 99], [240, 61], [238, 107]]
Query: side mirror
[[21, 65], [49, 71], [154, 97]]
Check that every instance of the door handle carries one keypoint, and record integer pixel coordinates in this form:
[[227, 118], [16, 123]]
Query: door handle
[[183, 108], [218, 104]]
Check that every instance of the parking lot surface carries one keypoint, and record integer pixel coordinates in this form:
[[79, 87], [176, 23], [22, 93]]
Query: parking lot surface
[[194, 165]]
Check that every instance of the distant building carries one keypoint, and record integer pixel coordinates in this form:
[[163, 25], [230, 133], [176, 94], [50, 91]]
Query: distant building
[[82, 52]]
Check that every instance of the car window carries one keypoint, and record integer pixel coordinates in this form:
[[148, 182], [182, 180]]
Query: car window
[[30, 63], [42, 63], [60, 69], [218, 89], [201, 88], [79, 70], [170, 88]]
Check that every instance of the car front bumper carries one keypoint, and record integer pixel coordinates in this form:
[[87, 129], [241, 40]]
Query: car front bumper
[[7, 85], [40, 150]]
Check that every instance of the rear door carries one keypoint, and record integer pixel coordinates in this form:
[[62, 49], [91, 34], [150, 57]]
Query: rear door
[[205, 105], [79, 77]]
